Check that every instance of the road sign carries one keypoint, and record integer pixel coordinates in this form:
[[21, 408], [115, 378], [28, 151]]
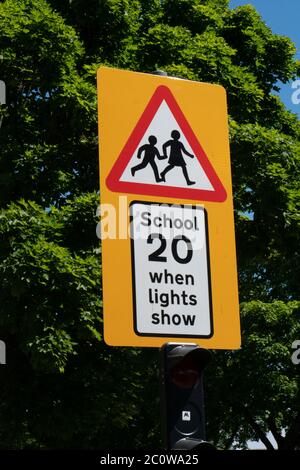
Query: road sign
[[161, 119], [171, 286], [168, 248]]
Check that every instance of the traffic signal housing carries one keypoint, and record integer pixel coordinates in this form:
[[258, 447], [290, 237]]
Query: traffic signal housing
[[182, 398]]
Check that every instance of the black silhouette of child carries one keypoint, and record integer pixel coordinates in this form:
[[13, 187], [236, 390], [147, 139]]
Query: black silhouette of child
[[176, 158], [150, 152]]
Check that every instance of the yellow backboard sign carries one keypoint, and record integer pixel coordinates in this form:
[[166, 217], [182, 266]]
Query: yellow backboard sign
[[167, 227]]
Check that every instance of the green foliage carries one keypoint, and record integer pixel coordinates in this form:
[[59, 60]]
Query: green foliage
[[195, 15], [260, 381], [48, 293], [40, 33], [41, 55], [266, 184], [266, 55], [63, 387]]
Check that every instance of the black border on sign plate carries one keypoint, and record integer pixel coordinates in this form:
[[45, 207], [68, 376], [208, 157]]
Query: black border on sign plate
[[165, 335]]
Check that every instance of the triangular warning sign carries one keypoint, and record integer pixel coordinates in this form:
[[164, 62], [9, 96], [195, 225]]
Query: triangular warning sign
[[163, 157]]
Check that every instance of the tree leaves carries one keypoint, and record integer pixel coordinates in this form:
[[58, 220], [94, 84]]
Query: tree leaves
[[259, 382]]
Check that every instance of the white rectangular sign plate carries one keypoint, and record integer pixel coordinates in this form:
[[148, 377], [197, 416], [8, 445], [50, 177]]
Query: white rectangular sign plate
[[170, 270]]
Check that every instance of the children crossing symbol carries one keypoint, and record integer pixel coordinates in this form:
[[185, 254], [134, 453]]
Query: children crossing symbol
[[175, 159]]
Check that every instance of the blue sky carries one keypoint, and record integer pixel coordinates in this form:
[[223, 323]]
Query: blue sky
[[283, 17]]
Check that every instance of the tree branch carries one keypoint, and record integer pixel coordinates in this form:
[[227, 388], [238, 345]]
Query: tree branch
[[256, 428], [230, 440], [277, 436], [292, 438]]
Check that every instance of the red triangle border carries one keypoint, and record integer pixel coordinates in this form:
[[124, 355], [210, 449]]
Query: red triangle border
[[113, 180]]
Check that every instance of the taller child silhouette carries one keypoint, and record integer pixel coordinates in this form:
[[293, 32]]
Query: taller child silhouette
[[150, 152], [176, 158]]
